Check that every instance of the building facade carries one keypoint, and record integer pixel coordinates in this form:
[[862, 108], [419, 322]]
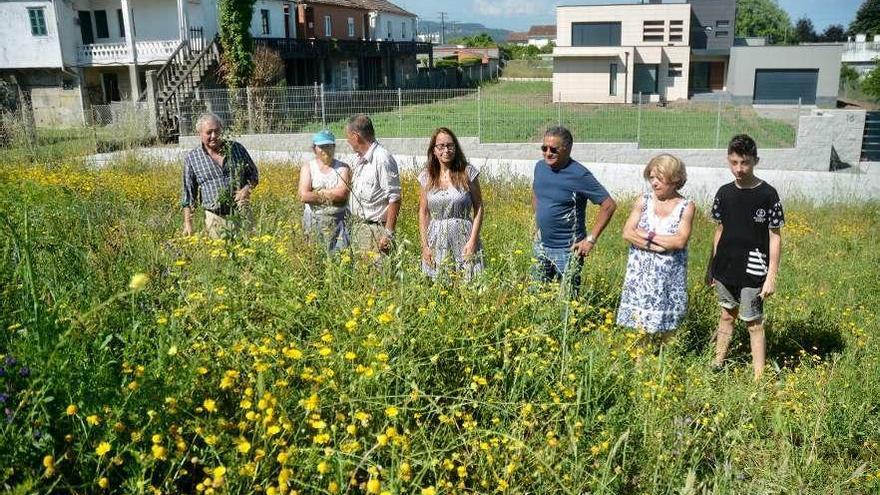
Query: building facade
[[674, 51], [861, 52], [618, 53], [76, 55]]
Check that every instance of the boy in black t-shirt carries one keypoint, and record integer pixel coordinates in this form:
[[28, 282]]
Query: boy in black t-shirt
[[746, 249]]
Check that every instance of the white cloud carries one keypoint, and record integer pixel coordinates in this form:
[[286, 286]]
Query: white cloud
[[508, 8]]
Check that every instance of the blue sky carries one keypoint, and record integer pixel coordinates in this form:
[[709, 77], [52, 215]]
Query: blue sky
[[518, 15]]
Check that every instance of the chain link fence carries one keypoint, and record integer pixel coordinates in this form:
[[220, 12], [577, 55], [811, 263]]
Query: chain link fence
[[499, 113]]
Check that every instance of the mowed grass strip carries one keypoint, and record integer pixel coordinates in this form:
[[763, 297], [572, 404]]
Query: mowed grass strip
[[510, 112]]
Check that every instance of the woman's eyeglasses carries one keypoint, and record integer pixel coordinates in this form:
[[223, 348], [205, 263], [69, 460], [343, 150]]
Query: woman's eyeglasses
[[551, 149], [445, 146]]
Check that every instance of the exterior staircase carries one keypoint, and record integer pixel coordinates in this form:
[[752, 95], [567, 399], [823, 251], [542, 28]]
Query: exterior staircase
[[177, 81], [871, 139]]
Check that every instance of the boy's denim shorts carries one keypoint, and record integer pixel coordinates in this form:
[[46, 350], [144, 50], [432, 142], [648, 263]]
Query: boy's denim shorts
[[751, 306]]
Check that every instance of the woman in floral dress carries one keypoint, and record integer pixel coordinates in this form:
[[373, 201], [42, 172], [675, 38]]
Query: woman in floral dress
[[450, 210], [654, 297]]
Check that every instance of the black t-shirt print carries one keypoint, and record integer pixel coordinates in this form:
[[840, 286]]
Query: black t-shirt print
[[747, 215]]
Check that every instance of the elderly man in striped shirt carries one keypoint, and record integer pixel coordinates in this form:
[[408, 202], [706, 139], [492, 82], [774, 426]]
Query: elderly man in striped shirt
[[221, 174]]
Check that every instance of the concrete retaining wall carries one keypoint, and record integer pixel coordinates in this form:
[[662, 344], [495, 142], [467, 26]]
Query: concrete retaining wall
[[817, 133], [620, 179]]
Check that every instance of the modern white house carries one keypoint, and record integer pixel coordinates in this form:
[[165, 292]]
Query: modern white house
[[613, 53], [72, 54], [675, 50]]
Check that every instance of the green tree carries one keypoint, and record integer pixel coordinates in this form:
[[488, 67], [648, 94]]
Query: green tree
[[520, 52], [238, 44], [482, 40], [867, 19], [804, 31], [763, 18], [833, 33]]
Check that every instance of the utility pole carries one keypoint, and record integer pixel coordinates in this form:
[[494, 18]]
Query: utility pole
[[442, 28]]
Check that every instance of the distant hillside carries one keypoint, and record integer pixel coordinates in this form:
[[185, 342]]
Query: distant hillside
[[463, 29]]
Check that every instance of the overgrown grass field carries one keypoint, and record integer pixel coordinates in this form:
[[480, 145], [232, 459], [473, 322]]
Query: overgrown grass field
[[138, 361]]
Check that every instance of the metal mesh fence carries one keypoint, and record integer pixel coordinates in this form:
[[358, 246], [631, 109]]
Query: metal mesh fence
[[495, 113]]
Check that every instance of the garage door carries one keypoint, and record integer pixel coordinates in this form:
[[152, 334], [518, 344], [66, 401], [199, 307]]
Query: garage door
[[785, 86]]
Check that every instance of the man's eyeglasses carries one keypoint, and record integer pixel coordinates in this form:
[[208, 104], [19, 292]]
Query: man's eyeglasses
[[445, 146], [551, 149]]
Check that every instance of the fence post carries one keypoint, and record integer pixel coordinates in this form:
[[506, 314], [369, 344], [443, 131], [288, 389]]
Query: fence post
[[718, 126], [639, 121], [315, 100], [399, 112], [152, 107], [250, 110], [479, 116], [323, 109]]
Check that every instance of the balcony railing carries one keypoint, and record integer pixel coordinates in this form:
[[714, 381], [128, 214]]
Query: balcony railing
[[860, 51], [311, 48], [154, 51]]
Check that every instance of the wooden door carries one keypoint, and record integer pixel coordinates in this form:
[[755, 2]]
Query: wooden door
[[716, 76]]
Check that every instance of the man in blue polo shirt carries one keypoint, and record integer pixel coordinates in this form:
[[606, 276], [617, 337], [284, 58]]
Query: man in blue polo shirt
[[560, 192]]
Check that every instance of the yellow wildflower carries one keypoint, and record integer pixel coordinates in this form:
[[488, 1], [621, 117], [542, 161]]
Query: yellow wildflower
[[138, 281], [102, 449]]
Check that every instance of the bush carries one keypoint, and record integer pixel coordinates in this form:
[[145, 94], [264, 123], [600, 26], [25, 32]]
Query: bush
[[871, 82]]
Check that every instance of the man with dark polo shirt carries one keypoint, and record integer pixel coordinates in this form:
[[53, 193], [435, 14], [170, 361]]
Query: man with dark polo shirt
[[221, 174], [560, 192]]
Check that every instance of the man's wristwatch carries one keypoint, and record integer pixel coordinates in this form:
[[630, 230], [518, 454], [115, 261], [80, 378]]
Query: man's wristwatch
[[591, 239], [389, 234]]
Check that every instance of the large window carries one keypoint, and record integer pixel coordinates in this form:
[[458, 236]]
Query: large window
[[390, 34], [264, 22], [595, 34], [38, 21], [351, 27], [328, 26], [612, 86], [102, 30]]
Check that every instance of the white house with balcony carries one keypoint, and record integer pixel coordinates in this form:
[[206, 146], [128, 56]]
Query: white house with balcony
[[388, 22], [860, 53], [72, 54]]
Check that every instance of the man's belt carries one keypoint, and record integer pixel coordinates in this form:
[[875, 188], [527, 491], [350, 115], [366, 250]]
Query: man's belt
[[220, 211]]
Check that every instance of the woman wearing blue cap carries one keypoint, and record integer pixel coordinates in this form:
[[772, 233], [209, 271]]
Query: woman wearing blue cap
[[323, 187]]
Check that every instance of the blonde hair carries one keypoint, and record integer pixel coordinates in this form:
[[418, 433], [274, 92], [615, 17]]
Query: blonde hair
[[669, 168]]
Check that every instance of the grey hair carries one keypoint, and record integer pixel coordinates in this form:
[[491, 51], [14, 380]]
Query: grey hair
[[208, 117], [361, 125], [562, 133]]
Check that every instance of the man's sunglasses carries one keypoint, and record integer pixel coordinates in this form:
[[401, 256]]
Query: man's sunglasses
[[551, 149]]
